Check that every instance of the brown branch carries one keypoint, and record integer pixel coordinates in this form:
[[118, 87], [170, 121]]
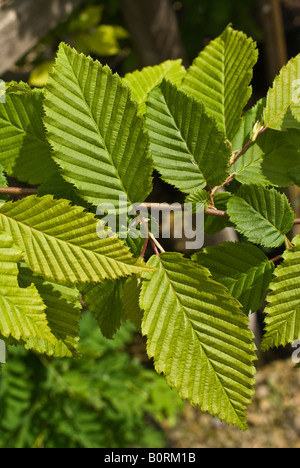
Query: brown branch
[[297, 221], [17, 191]]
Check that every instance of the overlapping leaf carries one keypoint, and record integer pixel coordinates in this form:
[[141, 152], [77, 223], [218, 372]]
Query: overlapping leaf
[[220, 78], [188, 149], [22, 311], [263, 215], [104, 300], [60, 242], [142, 82], [24, 151], [283, 100], [63, 311], [98, 139], [283, 309], [198, 337], [247, 168], [243, 268]]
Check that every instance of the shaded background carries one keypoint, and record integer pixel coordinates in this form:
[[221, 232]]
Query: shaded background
[[122, 402]]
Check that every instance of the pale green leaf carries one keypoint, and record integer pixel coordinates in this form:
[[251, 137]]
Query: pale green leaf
[[247, 168], [198, 337], [61, 242], [263, 215], [188, 149], [283, 310], [220, 78], [22, 311], [201, 198], [98, 139], [243, 268], [63, 312], [283, 99], [24, 151], [142, 82]]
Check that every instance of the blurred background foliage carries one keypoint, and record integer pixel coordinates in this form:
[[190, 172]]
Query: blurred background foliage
[[111, 397], [107, 398]]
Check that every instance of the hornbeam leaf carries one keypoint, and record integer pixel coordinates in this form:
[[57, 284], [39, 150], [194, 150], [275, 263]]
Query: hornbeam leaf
[[220, 78], [98, 139], [263, 215], [188, 149], [243, 268], [63, 312], [198, 337], [131, 301], [60, 242], [248, 167], [22, 311], [142, 82], [24, 150], [283, 310], [104, 300], [283, 100]]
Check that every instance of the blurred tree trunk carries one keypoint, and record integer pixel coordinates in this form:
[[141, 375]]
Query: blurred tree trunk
[[274, 36], [154, 28]]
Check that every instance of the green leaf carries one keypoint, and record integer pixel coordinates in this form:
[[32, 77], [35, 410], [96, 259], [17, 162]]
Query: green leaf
[[220, 78], [22, 311], [3, 183], [104, 300], [144, 81], [247, 168], [24, 151], [63, 312], [283, 309], [61, 243], [98, 139], [263, 215], [188, 149], [270, 158], [243, 268], [215, 224], [102, 41], [200, 197], [283, 99], [198, 337], [130, 301]]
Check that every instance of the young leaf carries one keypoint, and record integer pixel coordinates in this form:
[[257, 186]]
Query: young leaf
[[63, 311], [283, 309], [247, 168], [188, 149], [243, 268], [24, 151], [22, 311], [142, 82], [283, 100], [215, 224], [92, 124], [104, 300], [201, 197], [263, 215], [198, 337], [220, 78], [60, 242]]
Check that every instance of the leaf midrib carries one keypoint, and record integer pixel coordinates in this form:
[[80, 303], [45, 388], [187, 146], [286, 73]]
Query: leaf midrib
[[198, 340], [89, 111]]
